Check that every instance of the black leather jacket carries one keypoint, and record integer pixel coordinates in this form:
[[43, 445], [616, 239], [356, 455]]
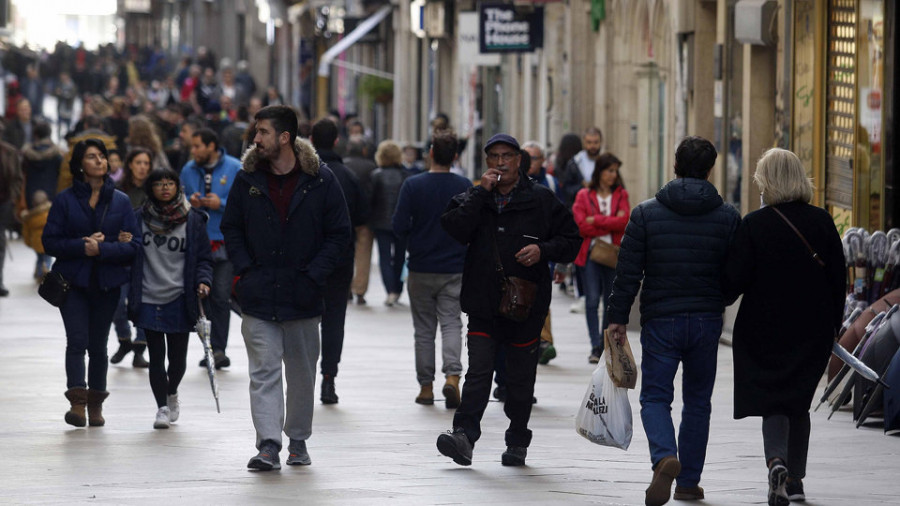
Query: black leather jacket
[[386, 183]]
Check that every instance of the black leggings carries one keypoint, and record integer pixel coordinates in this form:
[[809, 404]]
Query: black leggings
[[163, 382]]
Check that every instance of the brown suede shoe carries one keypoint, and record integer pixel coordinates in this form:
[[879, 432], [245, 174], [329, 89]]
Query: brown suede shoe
[[688, 493], [426, 395], [665, 472], [451, 392]]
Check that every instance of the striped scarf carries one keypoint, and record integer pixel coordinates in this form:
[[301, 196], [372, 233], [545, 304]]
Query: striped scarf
[[162, 218]]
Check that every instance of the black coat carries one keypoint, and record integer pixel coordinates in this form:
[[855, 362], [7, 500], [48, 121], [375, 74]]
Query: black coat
[[791, 309], [357, 206], [284, 267], [676, 245], [534, 215]]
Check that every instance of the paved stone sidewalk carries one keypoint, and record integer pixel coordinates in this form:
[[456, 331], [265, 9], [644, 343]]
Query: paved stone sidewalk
[[376, 446]]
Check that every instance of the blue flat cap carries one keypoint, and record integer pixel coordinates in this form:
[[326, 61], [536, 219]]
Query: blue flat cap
[[501, 139]]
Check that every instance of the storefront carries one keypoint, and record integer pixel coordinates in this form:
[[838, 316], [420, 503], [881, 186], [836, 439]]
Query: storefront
[[842, 104]]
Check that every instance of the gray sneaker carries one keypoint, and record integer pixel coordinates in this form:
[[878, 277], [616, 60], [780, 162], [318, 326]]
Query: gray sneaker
[[298, 456], [266, 459], [174, 407], [162, 418]]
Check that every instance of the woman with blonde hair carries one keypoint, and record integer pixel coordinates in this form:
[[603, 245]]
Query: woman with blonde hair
[[386, 182], [142, 134], [788, 262]]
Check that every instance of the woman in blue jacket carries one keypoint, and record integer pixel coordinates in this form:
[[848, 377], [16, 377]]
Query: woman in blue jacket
[[82, 232], [172, 271]]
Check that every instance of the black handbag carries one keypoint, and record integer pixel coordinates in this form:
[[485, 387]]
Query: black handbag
[[54, 288]]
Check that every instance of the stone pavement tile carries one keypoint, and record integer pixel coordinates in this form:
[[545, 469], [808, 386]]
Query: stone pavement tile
[[376, 446]]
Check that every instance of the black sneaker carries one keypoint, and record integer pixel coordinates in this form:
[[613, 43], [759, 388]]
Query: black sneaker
[[794, 489], [456, 445], [777, 477], [124, 348], [266, 459], [329, 394], [514, 456], [3, 291], [221, 359], [298, 456], [500, 393]]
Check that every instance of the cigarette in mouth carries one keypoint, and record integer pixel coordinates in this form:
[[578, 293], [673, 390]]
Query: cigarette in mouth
[[498, 177]]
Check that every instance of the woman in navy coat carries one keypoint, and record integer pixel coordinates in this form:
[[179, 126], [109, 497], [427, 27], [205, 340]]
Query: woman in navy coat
[[82, 232]]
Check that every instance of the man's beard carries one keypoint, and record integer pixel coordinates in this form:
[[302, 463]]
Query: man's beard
[[593, 153], [267, 153]]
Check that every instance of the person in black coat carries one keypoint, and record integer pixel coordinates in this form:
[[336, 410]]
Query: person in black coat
[[337, 285], [522, 225], [386, 182], [791, 311], [674, 250]]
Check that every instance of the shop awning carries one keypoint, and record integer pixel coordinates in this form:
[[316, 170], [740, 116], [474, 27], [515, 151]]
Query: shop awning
[[351, 38]]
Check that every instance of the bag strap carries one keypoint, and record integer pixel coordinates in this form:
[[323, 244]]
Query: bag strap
[[805, 242], [499, 264]]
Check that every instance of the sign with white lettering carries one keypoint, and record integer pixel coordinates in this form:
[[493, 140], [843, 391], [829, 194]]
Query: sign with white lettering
[[503, 30]]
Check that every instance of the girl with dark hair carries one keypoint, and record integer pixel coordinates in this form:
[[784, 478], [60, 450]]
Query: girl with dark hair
[[172, 271], [601, 213], [82, 232], [138, 162]]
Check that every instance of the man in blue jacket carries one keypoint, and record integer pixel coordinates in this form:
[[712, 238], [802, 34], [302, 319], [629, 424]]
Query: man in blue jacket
[[676, 244], [207, 180], [285, 228], [435, 267]]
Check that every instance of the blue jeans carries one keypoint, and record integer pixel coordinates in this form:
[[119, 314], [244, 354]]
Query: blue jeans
[[87, 314], [691, 339], [598, 281], [120, 319], [391, 255]]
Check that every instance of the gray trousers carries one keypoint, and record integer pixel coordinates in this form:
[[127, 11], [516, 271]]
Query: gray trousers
[[433, 299], [787, 438], [296, 343]]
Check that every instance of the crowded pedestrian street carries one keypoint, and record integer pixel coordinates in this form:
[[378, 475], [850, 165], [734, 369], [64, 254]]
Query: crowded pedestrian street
[[376, 446]]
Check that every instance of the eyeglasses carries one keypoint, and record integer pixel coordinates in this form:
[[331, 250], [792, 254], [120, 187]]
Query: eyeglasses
[[164, 184], [507, 156]]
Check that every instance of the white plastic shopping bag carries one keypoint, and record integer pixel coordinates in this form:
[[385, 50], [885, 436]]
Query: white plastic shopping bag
[[605, 413]]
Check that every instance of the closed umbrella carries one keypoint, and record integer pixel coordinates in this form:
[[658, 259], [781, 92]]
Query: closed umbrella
[[892, 396], [204, 328]]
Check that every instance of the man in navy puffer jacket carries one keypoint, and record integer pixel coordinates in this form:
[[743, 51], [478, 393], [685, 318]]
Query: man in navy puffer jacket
[[676, 244]]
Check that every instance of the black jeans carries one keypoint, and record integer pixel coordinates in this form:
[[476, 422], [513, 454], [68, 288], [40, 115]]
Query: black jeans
[[787, 438], [87, 315], [520, 341], [219, 300], [165, 382], [337, 286]]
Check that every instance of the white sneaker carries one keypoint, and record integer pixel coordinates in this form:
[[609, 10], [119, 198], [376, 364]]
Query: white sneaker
[[173, 406], [578, 306], [162, 418], [392, 299]]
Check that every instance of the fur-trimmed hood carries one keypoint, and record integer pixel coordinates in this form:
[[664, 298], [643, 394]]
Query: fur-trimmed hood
[[303, 150], [42, 150]]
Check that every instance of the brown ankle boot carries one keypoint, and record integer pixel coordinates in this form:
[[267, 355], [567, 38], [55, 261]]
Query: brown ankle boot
[[78, 399], [95, 400], [426, 395], [451, 391]]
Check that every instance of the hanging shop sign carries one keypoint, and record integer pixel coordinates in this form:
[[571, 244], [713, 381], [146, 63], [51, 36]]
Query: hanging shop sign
[[504, 30]]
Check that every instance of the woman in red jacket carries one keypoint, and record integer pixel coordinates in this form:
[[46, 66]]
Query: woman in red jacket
[[601, 212]]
